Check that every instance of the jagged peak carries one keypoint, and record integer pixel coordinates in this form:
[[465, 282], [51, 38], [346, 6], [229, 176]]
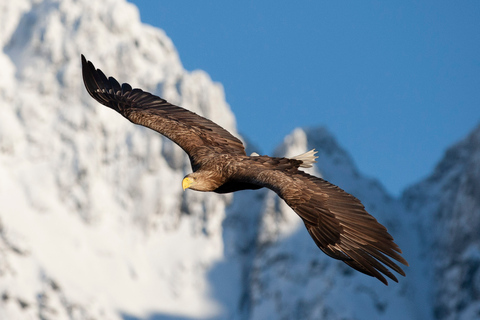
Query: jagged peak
[[456, 160], [331, 156]]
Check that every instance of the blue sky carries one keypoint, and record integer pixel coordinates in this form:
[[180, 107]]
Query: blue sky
[[396, 82]]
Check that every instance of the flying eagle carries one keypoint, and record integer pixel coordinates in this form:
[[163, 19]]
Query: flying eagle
[[336, 220]]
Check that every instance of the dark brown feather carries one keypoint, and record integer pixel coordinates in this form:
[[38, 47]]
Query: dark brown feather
[[196, 135], [336, 220], [349, 232]]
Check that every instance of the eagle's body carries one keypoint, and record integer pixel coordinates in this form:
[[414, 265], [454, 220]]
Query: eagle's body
[[336, 220]]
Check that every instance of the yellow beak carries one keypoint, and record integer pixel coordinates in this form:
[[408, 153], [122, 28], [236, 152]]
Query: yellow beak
[[186, 183]]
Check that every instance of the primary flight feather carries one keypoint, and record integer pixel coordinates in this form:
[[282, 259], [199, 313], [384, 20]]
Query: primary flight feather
[[336, 220]]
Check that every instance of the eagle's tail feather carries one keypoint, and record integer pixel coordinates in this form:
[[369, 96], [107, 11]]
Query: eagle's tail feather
[[308, 158]]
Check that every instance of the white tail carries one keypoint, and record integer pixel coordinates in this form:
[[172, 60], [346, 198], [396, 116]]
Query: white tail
[[308, 158]]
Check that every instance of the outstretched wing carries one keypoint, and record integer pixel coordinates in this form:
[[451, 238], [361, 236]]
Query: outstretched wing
[[193, 133], [337, 222]]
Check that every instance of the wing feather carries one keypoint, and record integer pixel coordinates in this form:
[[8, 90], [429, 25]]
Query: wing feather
[[193, 133], [337, 222], [350, 233]]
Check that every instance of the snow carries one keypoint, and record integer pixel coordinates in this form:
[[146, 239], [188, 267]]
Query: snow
[[94, 223], [80, 185]]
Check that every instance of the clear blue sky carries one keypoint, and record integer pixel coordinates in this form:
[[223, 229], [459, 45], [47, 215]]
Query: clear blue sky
[[396, 82]]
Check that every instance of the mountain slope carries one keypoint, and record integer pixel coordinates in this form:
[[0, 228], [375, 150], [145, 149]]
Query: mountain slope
[[94, 222], [448, 205]]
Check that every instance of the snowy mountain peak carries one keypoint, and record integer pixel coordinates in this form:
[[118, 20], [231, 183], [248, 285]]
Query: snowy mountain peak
[[326, 144], [288, 263]]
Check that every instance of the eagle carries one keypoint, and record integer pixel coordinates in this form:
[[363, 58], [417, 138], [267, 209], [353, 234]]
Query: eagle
[[337, 221]]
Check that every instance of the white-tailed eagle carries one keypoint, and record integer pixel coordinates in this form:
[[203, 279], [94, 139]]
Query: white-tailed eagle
[[336, 220]]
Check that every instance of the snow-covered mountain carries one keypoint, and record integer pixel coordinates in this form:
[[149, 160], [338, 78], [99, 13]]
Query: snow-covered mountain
[[94, 223], [447, 208], [288, 264]]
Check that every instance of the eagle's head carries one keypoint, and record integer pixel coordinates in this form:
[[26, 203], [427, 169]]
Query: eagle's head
[[201, 181]]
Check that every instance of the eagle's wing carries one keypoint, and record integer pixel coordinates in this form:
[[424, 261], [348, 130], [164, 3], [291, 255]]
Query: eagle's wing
[[337, 222], [187, 129]]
